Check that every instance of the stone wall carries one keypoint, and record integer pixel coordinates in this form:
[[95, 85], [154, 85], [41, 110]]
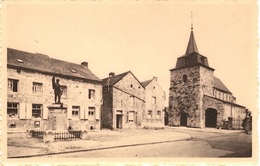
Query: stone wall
[[185, 97], [206, 81], [76, 95], [209, 102], [128, 95], [107, 109], [238, 114], [154, 90], [224, 111]]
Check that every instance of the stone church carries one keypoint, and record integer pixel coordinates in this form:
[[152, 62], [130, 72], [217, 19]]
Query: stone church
[[199, 99]]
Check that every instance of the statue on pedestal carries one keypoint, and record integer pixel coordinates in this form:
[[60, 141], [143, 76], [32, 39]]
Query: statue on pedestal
[[57, 89]]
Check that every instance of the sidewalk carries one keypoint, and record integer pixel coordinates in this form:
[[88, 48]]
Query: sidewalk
[[212, 130], [20, 146]]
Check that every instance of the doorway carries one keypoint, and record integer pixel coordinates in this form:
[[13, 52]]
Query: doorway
[[119, 121], [211, 117], [183, 119]]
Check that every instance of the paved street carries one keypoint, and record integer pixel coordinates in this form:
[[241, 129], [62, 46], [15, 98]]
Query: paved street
[[201, 144]]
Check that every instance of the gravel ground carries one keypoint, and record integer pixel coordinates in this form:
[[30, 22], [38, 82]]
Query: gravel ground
[[19, 145]]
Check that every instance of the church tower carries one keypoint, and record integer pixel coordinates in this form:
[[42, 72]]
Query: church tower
[[190, 80]]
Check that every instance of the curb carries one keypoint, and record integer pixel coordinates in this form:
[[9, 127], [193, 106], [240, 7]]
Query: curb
[[102, 148], [210, 131]]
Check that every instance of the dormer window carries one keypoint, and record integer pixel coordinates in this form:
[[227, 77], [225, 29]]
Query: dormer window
[[20, 61]]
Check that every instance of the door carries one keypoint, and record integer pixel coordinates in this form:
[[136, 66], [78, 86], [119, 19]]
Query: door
[[183, 119], [211, 117], [119, 121]]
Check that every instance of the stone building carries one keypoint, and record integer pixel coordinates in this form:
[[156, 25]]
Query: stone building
[[154, 104], [123, 101], [30, 96], [197, 98]]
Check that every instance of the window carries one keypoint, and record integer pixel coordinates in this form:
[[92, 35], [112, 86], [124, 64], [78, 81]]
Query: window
[[36, 110], [75, 111], [64, 91], [184, 78], [131, 85], [37, 87], [12, 85], [158, 114], [12, 110], [153, 100], [91, 94], [91, 112], [219, 95], [131, 116], [150, 114], [132, 100], [213, 93]]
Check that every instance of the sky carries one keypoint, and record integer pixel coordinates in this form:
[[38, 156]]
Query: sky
[[145, 37]]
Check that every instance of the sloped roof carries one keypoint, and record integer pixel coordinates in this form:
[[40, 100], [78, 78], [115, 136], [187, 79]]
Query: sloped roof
[[218, 84], [192, 46], [43, 63], [113, 80], [145, 83]]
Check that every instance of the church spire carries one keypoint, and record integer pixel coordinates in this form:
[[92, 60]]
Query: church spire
[[192, 46]]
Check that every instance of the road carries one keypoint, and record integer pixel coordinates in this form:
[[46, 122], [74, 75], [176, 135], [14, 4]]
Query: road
[[202, 144]]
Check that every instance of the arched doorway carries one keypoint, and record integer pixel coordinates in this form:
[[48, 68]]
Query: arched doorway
[[211, 117], [183, 119]]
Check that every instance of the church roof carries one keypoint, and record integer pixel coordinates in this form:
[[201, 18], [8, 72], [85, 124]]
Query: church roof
[[218, 84], [45, 64], [192, 57], [192, 46]]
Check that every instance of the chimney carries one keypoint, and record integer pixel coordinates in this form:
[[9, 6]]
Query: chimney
[[111, 74], [84, 64], [155, 78]]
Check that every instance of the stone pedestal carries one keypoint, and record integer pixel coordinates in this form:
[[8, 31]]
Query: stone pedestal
[[84, 135]]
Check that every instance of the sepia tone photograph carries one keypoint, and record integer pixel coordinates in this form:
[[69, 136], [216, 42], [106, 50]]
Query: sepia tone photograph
[[129, 82]]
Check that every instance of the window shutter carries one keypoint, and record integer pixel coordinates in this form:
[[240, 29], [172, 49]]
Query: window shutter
[[69, 112], [28, 110], [22, 111], [45, 112], [127, 117], [97, 113], [81, 113], [86, 112]]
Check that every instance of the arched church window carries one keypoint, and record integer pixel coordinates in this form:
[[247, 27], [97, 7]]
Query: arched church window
[[184, 78]]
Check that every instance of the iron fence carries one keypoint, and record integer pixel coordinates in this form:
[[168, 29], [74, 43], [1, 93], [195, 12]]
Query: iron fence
[[58, 135], [38, 133], [67, 135]]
